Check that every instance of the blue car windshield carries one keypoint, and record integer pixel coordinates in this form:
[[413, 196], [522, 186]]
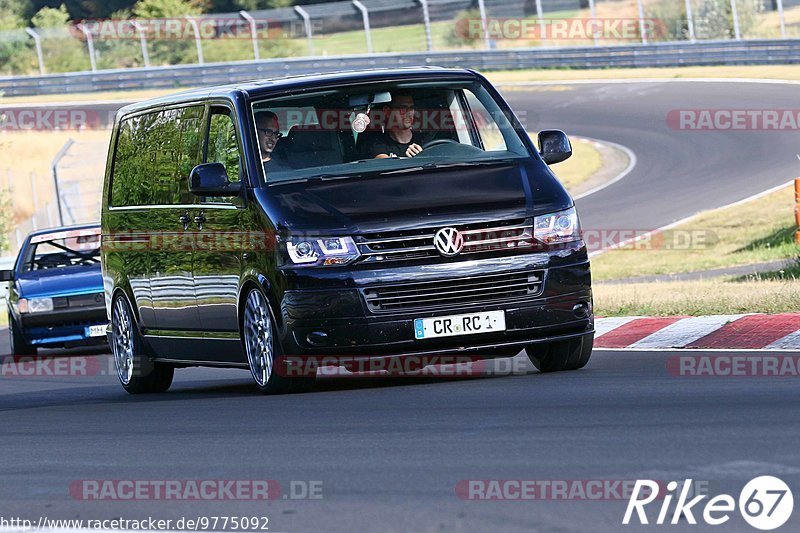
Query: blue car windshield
[[62, 249]]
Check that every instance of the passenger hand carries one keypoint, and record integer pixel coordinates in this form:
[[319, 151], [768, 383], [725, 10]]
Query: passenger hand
[[413, 150]]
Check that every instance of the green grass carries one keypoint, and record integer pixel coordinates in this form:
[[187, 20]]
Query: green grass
[[756, 231], [693, 298], [791, 272], [406, 38], [410, 38]]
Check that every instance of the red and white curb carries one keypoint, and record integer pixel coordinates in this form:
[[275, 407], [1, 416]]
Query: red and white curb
[[779, 332]]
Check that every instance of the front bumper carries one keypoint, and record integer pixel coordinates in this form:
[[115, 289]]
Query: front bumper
[[64, 327], [338, 322]]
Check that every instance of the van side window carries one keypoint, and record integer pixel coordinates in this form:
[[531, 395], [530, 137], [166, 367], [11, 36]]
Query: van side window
[[154, 155], [222, 145]]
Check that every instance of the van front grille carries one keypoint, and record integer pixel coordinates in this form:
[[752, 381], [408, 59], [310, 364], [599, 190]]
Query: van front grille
[[419, 244], [424, 295]]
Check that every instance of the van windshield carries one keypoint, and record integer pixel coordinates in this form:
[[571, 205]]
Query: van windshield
[[382, 128]]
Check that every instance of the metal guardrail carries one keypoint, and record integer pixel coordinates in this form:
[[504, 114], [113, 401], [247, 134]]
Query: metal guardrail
[[760, 52]]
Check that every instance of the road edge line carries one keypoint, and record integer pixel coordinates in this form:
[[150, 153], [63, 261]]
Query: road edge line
[[671, 225]]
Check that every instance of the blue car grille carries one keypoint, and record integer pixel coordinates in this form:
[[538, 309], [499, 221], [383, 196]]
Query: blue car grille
[[95, 299]]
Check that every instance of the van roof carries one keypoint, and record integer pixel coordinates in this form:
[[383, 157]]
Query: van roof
[[263, 87]]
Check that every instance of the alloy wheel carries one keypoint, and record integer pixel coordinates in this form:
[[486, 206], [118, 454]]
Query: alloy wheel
[[258, 337], [122, 340]]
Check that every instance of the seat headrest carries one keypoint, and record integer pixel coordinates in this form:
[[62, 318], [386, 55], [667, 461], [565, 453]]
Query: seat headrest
[[313, 140]]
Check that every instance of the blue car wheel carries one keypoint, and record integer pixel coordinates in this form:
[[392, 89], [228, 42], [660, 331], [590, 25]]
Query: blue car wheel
[[18, 344]]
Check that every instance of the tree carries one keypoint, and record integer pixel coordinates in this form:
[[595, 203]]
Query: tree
[[51, 17], [155, 9], [16, 55], [715, 18], [97, 9], [253, 5], [64, 49], [13, 13]]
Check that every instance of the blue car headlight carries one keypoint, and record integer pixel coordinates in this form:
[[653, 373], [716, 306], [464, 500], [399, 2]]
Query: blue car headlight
[[35, 305]]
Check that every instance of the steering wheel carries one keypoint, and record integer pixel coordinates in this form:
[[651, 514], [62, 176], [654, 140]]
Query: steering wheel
[[438, 142]]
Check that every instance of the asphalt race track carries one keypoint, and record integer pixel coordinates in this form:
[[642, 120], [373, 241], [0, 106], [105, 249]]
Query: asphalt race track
[[678, 172], [387, 454]]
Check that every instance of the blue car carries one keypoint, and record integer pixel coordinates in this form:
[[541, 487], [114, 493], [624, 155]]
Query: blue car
[[55, 291]]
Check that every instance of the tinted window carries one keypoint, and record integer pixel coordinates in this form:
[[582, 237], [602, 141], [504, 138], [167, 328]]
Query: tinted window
[[383, 127], [222, 145], [155, 153]]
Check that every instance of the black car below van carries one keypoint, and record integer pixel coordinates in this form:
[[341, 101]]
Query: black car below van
[[382, 215]]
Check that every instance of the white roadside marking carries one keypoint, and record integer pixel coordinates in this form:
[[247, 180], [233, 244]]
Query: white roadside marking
[[626, 81], [789, 342], [695, 350], [631, 163], [638, 238], [685, 331], [604, 325]]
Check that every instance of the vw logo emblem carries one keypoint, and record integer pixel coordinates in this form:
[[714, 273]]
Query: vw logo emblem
[[448, 241]]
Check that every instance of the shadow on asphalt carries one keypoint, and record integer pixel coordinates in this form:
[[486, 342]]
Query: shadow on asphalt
[[327, 384], [105, 388]]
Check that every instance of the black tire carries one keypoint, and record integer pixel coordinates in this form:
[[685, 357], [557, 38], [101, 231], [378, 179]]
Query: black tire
[[271, 376], [19, 346], [137, 373], [570, 354]]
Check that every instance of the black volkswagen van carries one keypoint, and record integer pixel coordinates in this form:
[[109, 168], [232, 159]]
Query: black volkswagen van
[[337, 219]]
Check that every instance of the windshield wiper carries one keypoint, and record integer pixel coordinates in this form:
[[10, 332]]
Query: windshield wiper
[[483, 163], [408, 170], [320, 178], [455, 164]]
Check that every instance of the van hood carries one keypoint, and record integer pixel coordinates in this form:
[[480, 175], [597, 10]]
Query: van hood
[[420, 199], [60, 282]]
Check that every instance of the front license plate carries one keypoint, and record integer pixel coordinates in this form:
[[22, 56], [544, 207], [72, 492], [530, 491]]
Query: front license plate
[[96, 331], [449, 326]]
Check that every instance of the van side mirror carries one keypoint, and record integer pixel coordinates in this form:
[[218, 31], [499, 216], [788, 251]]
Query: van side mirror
[[6, 275], [554, 146], [211, 179]]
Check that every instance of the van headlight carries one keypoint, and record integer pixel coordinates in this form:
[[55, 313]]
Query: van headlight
[[556, 228], [35, 305], [323, 251]]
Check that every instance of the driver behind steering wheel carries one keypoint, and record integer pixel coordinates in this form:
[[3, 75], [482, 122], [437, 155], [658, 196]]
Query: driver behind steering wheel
[[398, 139]]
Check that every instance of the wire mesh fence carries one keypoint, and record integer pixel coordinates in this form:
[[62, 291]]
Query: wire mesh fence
[[80, 181], [353, 27], [33, 200]]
